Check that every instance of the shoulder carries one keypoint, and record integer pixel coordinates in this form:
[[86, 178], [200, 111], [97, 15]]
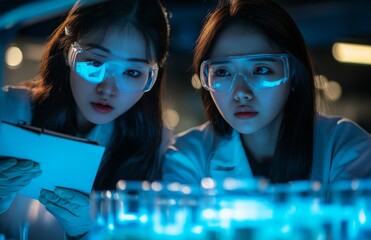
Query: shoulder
[[191, 139], [167, 139], [15, 104], [195, 141], [346, 145], [334, 125], [340, 133], [195, 134], [15, 91], [185, 160]]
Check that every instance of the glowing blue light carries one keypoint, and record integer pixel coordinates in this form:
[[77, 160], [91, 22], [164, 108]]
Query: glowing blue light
[[209, 213], [111, 226], [316, 206], [208, 183], [285, 229], [292, 210], [225, 214], [217, 85], [169, 229], [127, 217], [143, 219], [100, 221], [247, 209], [173, 230], [362, 216], [169, 223], [197, 229]]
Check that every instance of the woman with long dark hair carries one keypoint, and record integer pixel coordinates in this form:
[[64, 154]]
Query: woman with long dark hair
[[260, 102], [101, 77]]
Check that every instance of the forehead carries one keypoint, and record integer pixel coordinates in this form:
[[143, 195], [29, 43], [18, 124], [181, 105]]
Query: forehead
[[238, 39], [124, 43]]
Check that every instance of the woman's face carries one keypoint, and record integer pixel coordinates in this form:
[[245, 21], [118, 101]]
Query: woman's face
[[245, 109], [103, 102]]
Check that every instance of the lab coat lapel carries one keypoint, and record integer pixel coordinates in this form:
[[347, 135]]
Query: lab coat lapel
[[229, 159]]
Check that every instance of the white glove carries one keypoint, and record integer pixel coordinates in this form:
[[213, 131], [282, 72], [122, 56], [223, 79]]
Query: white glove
[[15, 174], [70, 207]]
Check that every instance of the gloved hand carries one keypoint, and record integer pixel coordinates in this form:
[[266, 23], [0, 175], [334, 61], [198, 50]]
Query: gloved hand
[[70, 207], [15, 174]]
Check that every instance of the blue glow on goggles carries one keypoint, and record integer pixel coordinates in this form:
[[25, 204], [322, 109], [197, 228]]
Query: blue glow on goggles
[[130, 76], [260, 71]]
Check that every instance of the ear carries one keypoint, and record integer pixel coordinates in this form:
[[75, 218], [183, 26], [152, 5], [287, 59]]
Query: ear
[[68, 56], [66, 52]]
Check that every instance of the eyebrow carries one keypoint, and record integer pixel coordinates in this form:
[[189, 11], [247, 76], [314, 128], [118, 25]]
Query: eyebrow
[[264, 59], [96, 46], [93, 45]]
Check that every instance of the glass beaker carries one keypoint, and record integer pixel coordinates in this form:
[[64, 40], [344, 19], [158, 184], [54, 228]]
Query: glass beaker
[[351, 200], [123, 213]]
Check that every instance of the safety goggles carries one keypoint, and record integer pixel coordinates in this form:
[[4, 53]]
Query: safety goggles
[[260, 71], [95, 68]]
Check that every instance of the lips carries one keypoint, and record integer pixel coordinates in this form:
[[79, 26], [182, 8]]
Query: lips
[[245, 112], [101, 107]]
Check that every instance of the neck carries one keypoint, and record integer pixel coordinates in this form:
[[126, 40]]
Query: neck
[[83, 125], [262, 144]]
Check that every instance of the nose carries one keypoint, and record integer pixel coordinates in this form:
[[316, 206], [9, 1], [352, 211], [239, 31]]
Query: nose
[[108, 87], [242, 90]]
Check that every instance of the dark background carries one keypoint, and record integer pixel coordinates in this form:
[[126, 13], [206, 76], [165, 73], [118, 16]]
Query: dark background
[[321, 22]]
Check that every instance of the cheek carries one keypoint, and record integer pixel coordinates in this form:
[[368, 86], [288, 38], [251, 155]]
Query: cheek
[[81, 89], [220, 101], [127, 101], [276, 98], [77, 84]]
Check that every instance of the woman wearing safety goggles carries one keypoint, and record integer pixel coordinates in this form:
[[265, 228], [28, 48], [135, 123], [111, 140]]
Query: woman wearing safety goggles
[[259, 97], [100, 78]]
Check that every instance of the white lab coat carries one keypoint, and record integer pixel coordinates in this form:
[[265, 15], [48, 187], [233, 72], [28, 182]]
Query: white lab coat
[[342, 150]]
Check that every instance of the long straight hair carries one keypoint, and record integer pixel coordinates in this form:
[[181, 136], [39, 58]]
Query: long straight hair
[[133, 151], [292, 159]]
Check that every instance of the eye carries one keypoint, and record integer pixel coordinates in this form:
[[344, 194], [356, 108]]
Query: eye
[[132, 73], [94, 63], [221, 73], [262, 70]]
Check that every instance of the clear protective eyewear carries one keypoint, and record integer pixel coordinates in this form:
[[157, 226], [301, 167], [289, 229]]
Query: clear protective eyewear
[[95, 68], [260, 71]]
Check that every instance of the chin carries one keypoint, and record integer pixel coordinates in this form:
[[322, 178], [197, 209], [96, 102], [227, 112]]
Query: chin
[[100, 120], [245, 129], [245, 132]]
